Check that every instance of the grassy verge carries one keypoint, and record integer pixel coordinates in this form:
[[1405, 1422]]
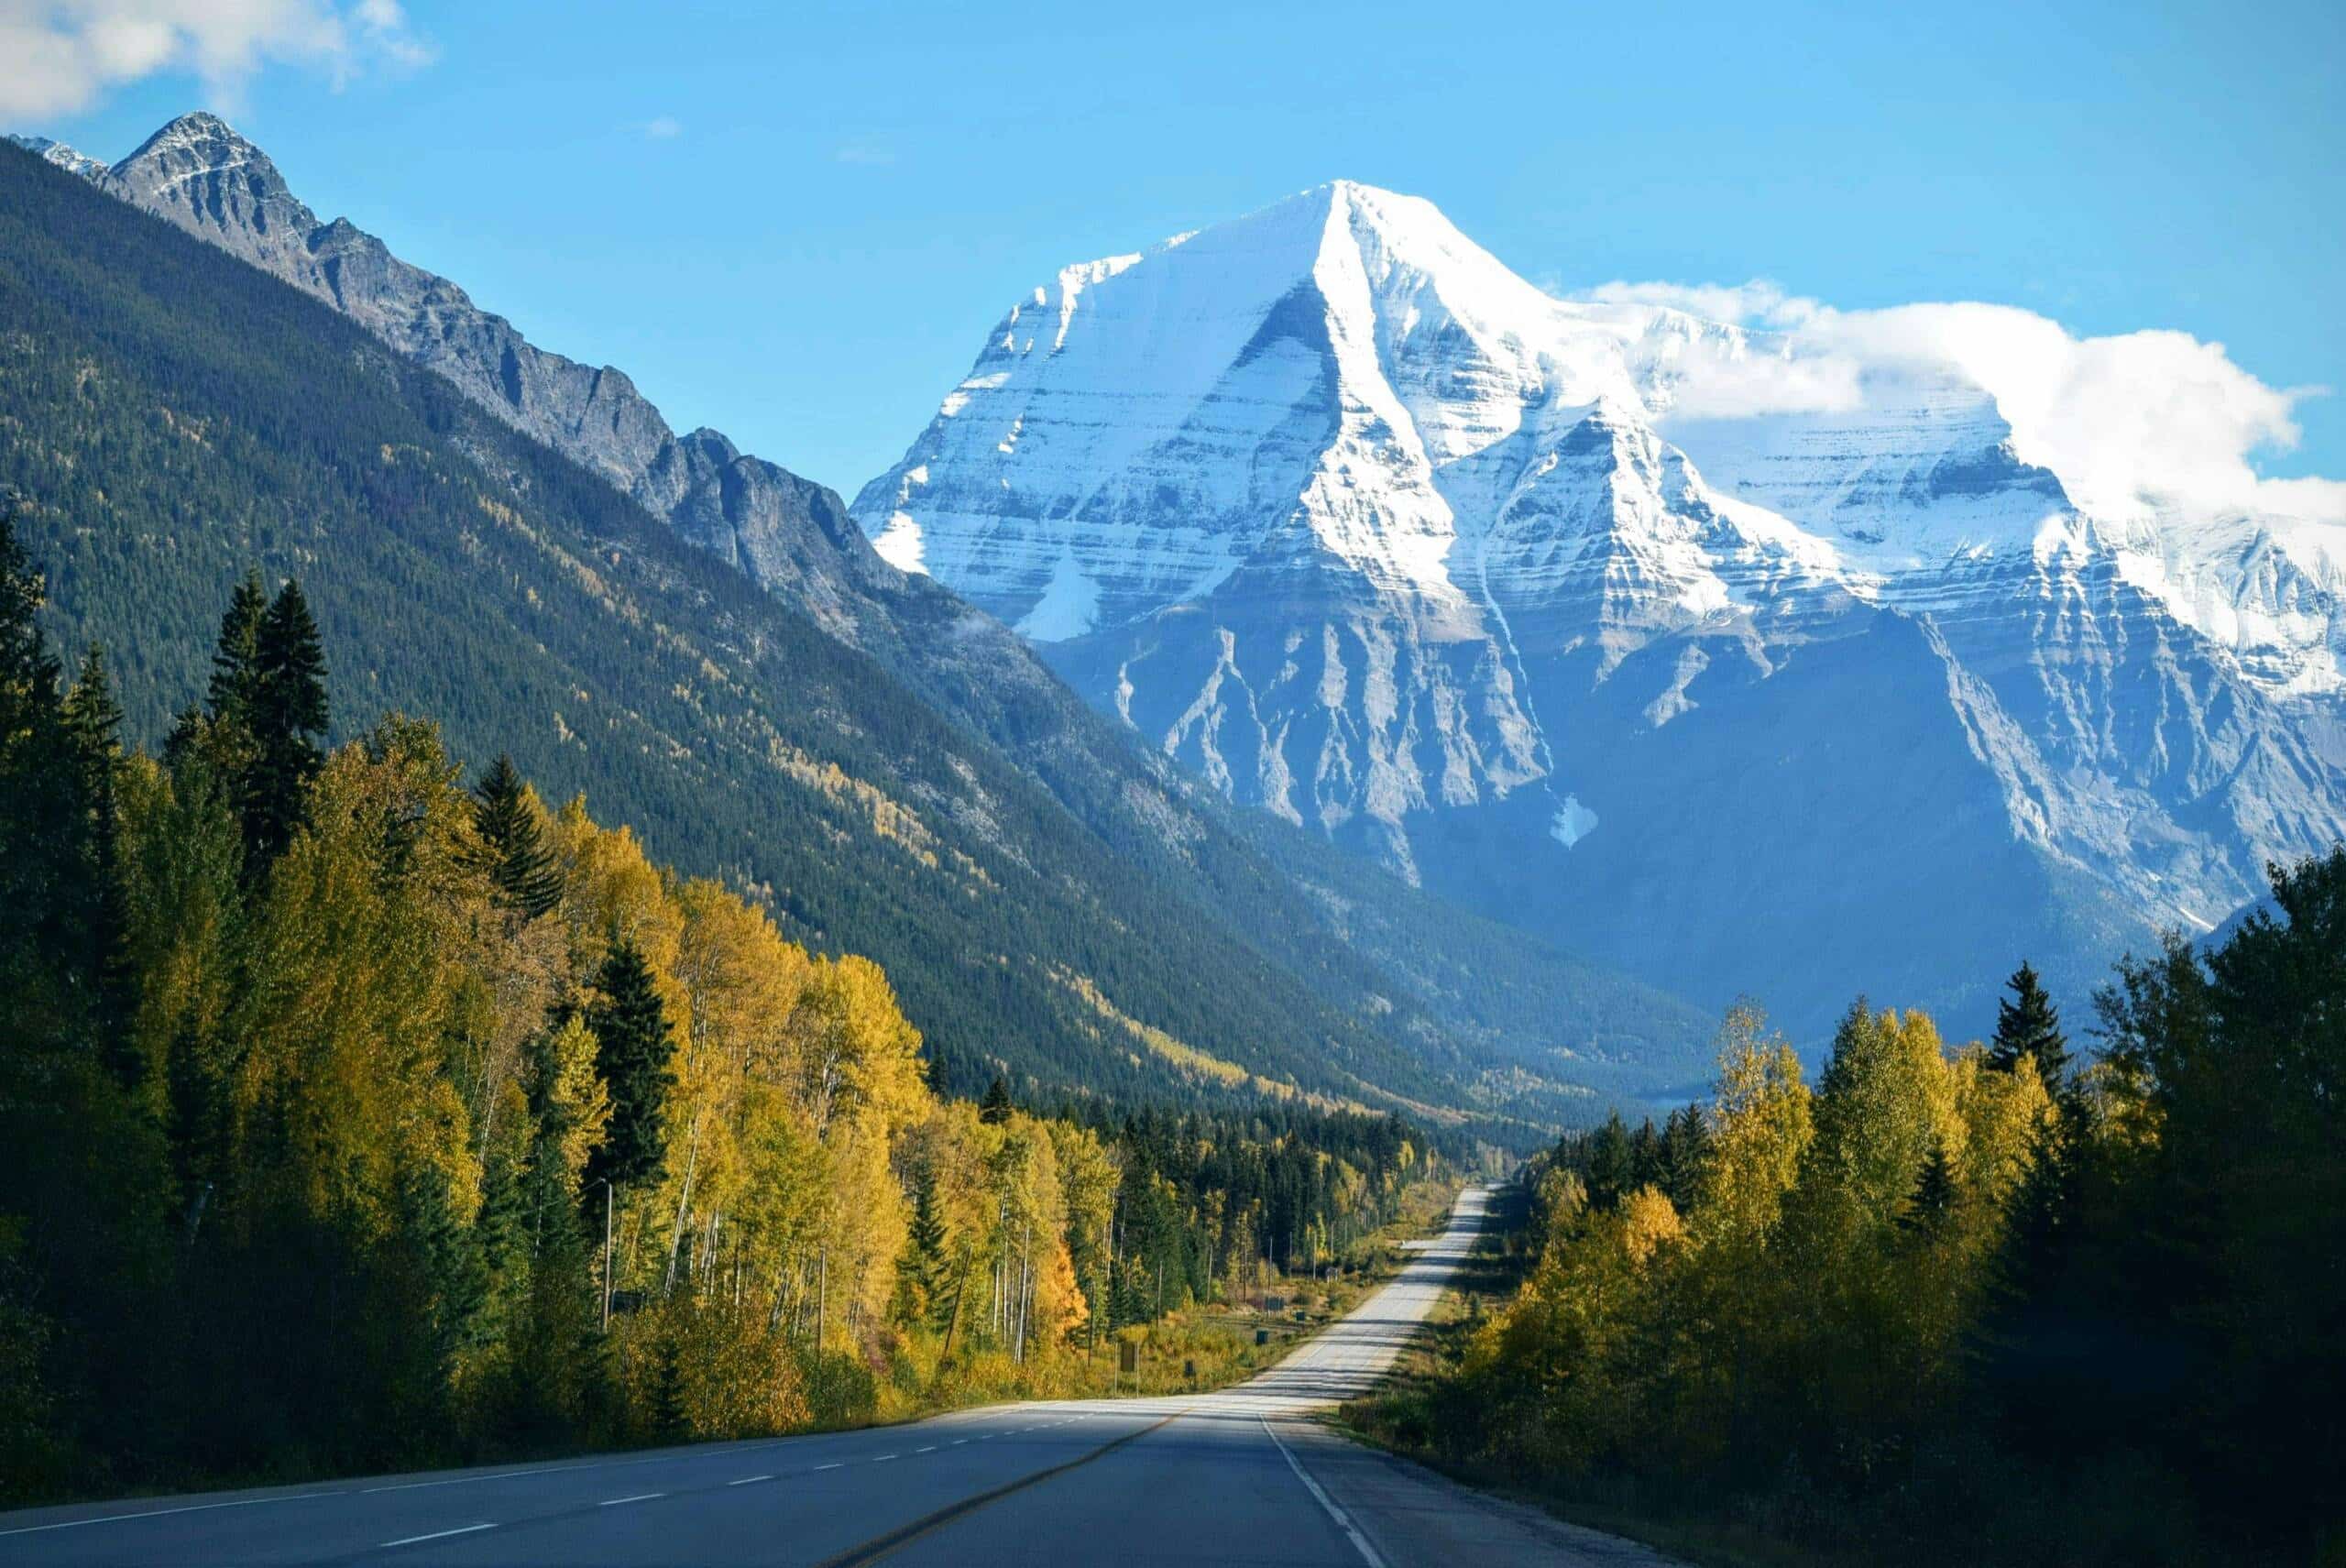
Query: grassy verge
[[1194, 1349]]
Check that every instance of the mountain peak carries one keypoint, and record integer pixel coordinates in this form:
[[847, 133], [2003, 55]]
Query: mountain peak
[[205, 175], [201, 133]]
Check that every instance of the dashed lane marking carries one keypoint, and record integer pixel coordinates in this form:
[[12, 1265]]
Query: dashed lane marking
[[435, 1535]]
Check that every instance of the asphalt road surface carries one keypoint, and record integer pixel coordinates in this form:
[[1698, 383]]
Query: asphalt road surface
[[1243, 1475]]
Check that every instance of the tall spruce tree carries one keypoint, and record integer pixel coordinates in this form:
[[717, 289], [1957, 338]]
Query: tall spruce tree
[[633, 1045], [289, 719], [922, 1275], [1686, 1150], [93, 725], [1932, 1203], [2028, 1024], [42, 816], [519, 862], [235, 686], [994, 1109], [1611, 1163]]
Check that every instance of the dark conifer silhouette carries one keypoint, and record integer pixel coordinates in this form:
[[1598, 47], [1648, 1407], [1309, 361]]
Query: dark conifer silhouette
[[519, 862], [2028, 1024], [633, 1045]]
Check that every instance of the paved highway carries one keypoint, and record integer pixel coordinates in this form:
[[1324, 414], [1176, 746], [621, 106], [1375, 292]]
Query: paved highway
[[1242, 1475]]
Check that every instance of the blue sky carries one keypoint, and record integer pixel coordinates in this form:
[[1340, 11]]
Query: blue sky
[[795, 223]]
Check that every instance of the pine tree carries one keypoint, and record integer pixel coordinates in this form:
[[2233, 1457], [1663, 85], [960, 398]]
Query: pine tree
[[2028, 1024], [235, 661], [1933, 1201], [1686, 1150], [94, 721], [288, 719], [2037, 1240], [1610, 1163], [633, 1045], [1645, 1157], [519, 862], [994, 1109], [923, 1272], [43, 816]]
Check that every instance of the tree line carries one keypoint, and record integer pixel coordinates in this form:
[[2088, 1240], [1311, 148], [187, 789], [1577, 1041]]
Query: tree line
[[362, 1113], [2012, 1302]]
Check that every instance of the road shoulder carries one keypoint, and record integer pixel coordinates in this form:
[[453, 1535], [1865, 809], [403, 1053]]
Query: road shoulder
[[1413, 1515]]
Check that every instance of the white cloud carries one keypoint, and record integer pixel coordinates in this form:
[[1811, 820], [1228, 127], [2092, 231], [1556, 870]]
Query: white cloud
[[864, 154], [59, 56], [663, 128], [2152, 417], [1738, 302]]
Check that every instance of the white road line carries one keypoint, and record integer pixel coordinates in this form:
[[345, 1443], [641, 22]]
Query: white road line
[[834, 1464], [1343, 1520], [435, 1535], [159, 1513], [749, 1480], [468, 1480], [884, 1459], [958, 1442], [930, 1449], [639, 1498]]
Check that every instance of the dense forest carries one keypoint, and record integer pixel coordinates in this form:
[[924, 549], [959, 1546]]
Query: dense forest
[[2017, 1302], [359, 1113]]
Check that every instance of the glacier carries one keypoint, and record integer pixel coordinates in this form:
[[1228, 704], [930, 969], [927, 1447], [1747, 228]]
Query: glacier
[[1330, 506]]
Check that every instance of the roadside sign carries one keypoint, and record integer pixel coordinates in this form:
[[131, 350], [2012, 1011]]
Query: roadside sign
[[1127, 1356]]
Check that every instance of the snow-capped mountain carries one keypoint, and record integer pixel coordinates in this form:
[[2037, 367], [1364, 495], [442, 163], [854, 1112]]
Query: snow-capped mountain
[[1843, 692]]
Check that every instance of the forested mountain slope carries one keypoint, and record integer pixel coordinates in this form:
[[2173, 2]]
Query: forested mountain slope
[[1349, 931], [175, 417]]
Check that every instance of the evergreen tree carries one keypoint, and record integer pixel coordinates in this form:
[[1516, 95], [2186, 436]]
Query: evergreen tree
[[94, 721], [1645, 1157], [1933, 1201], [670, 1420], [994, 1109], [1686, 1150], [2028, 1024], [1611, 1163], [922, 1274], [520, 863], [288, 720], [43, 819], [235, 687], [634, 1044]]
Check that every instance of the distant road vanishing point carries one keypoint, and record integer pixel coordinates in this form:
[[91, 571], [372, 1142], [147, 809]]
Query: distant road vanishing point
[[1243, 1475]]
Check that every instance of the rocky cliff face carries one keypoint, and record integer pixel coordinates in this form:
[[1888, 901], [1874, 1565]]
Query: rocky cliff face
[[1330, 505]]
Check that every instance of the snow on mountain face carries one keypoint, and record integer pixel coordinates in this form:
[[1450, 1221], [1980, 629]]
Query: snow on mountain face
[[1329, 505], [71, 159]]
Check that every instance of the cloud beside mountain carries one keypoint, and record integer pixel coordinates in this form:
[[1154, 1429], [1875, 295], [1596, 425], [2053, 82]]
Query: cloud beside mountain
[[2149, 418]]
